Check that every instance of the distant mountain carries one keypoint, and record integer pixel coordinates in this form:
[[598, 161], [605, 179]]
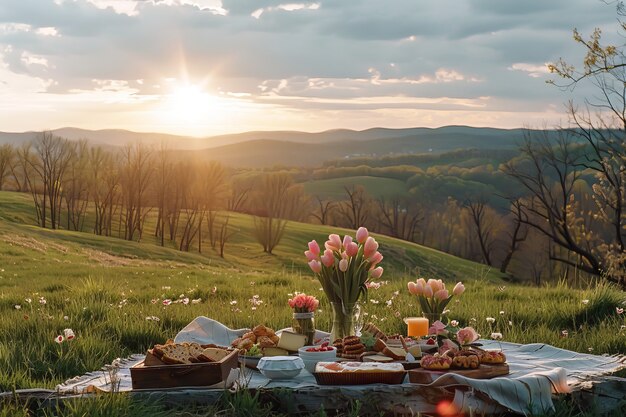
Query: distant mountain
[[263, 149]]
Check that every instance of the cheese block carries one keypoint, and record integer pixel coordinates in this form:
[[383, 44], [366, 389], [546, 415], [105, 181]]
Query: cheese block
[[291, 341], [416, 351], [395, 353], [273, 351], [213, 354], [377, 358]]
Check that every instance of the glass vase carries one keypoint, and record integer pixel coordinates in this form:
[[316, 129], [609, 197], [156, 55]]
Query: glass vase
[[432, 318], [304, 323], [344, 320]]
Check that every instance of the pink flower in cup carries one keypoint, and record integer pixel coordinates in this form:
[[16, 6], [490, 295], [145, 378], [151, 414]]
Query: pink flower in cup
[[466, 336]]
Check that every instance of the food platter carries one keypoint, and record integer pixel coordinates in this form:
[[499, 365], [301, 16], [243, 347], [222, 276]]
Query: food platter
[[485, 371]]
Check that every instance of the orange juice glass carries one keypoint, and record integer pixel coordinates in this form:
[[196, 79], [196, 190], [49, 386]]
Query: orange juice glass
[[417, 326]]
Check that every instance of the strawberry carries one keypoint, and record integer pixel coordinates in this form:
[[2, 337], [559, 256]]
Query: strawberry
[[430, 341]]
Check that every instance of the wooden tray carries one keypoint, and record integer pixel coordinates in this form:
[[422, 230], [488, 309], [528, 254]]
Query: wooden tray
[[192, 375], [359, 378], [425, 376]]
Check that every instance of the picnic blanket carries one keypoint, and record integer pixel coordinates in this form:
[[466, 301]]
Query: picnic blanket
[[537, 371]]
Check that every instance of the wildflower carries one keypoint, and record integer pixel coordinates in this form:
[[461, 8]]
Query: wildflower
[[496, 336], [28, 300], [446, 311], [564, 333], [590, 349], [619, 310], [622, 327], [389, 302], [490, 320], [59, 339], [154, 300], [372, 285], [397, 314], [69, 334], [473, 320], [454, 323], [196, 301], [185, 301], [42, 301], [214, 290], [167, 302], [18, 307], [26, 317], [374, 301], [66, 318], [165, 287], [153, 318], [585, 301], [502, 312], [510, 323], [232, 303]]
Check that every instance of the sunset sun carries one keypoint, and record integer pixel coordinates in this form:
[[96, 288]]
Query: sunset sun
[[189, 103]]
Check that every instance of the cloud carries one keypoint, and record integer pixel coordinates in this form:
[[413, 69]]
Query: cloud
[[324, 54]]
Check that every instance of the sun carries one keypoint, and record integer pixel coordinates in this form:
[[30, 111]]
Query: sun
[[189, 103]]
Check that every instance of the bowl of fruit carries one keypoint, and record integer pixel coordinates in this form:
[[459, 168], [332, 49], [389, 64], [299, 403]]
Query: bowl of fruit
[[311, 355]]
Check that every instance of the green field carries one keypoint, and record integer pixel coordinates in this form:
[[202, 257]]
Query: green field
[[106, 288]]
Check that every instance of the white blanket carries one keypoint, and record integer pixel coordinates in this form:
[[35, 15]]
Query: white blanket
[[537, 371]]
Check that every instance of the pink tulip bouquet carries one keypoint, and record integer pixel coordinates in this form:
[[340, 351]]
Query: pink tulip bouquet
[[344, 269], [451, 337], [433, 296]]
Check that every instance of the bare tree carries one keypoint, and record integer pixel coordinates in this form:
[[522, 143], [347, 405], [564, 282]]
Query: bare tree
[[7, 155], [324, 210], [277, 200], [135, 175], [516, 235], [356, 210], [162, 185], [224, 234], [399, 217], [76, 186], [484, 225]]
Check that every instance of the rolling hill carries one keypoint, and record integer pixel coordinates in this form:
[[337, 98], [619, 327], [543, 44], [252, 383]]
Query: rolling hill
[[265, 149]]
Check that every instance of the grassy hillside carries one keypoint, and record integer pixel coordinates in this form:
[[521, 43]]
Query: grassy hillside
[[112, 293]]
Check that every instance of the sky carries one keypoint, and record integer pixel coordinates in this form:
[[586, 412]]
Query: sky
[[207, 67]]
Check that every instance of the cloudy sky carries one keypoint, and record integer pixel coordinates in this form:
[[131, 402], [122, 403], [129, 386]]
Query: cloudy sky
[[204, 67]]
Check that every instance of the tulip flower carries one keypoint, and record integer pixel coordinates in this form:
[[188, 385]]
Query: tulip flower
[[412, 288], [419, 287], [370, 247], [421, 281], [375, 259], [316, 266], [333, 242], [361, 235], [428, 291], [376, 272], [310, 255], [459, 289], [433, 284], [314, 247], [328, 259], [347, 239], [352, 249], [343, 265], [441, 294]]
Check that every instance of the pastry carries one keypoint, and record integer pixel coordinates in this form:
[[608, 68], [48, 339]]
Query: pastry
[[436, 362], [492, 357], [464, 359], [212, 355], [338, 344], [352, 347], [265, 342]]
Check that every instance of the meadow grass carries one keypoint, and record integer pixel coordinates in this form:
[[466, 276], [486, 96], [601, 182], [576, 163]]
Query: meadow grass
[[112, 292]]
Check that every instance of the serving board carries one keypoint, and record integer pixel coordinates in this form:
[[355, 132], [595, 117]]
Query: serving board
[[425, 376]]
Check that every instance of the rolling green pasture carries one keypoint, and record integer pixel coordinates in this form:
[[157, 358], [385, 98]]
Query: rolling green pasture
[[111, 293]]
